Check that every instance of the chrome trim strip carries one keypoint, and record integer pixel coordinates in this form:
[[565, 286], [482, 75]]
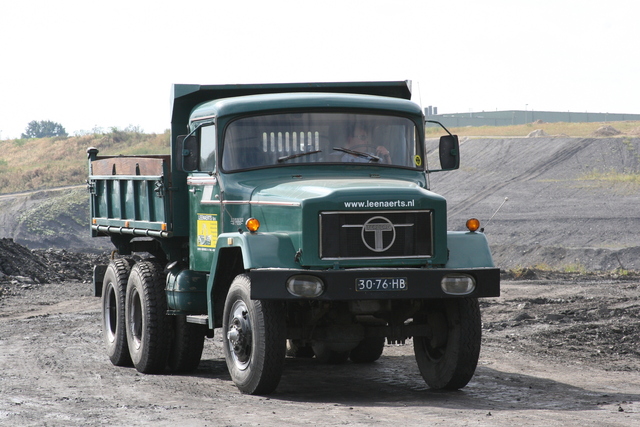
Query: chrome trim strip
[[202, 180], [254, 202], [246, 202], [197, 119]]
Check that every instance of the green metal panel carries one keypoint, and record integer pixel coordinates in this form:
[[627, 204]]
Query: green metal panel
[[185, 97], [468, 250], [309, 101], [130, 204], [186, 292]]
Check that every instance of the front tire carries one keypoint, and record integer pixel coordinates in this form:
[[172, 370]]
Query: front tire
[[114, 333], [447, 359], [254, 339], [148, 326]]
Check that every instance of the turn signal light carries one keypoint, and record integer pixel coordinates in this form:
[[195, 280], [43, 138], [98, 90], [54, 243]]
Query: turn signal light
[[252, 225], [473, 224]]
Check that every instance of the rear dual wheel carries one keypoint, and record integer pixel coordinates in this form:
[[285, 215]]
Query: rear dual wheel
[[187, 345], [135, 325], [148, 327], [114, 288]]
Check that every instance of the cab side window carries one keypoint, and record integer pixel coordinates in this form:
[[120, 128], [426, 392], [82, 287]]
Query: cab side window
[[208, 148]]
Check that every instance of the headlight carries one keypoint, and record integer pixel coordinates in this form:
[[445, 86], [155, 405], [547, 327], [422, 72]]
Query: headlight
[[458, 284], [305, 286]]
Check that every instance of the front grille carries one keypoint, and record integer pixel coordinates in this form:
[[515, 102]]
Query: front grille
[[371, 234]]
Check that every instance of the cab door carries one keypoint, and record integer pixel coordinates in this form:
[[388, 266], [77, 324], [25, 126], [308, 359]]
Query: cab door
[[204, 203]]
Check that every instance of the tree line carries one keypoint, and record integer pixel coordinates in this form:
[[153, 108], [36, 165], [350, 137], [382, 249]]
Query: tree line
[[43, 129]]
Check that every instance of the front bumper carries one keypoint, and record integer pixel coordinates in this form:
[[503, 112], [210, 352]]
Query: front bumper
[[341, 285]]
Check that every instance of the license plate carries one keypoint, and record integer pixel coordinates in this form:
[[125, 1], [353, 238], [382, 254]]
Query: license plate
[[382, 284]]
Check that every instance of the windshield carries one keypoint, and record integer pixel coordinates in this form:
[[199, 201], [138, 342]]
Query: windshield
[[294, 138]]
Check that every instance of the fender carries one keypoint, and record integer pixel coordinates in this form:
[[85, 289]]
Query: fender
[[258, 250], [468, 250]]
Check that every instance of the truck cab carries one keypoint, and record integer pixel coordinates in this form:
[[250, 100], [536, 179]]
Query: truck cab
[[297, 220]]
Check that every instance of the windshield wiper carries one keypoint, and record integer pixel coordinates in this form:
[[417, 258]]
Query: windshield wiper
[[294, 156], [371, 157]]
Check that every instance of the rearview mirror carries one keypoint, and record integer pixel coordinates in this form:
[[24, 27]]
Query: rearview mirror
[[190, 152], [449, 152]]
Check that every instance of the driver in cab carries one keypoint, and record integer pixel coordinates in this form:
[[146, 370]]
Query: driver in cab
[[360, 141]]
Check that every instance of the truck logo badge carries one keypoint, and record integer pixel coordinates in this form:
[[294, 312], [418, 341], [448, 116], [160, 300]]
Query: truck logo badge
[[378, 225]]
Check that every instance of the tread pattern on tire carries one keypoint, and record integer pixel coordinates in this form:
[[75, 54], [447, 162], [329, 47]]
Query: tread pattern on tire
[[265, 370], [118, 352], [156, 336], [187, 345], [458, 364]]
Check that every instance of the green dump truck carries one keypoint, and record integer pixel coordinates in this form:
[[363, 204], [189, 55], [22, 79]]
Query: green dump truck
[[296, 219]]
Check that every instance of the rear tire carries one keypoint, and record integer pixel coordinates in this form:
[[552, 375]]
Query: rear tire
[[187, 345], [254, 339], [148, 326], [114, 333], [296, 349], [447, 360], [369, 350], [327, 356]]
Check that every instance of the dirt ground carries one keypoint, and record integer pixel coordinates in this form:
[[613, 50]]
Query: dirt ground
[[557, 348]]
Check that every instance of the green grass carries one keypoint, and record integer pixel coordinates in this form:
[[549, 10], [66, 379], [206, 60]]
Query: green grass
[[613, 177], [37, 164]]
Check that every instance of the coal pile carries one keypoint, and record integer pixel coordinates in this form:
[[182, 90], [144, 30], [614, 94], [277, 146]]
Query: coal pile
[[20, 264]]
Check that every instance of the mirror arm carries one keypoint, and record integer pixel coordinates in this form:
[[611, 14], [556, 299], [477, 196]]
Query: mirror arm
[[440, 124]]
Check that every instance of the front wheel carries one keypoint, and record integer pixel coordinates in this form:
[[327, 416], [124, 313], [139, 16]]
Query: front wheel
[[448, 357], [254, 339]]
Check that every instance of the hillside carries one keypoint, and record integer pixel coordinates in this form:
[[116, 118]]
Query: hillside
[[38, 164], [572, 202]]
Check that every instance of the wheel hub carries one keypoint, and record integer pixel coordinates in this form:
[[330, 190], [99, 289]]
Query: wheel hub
[[239, 335]]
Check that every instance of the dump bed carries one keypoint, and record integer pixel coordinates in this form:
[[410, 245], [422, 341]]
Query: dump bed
[[129, 195]]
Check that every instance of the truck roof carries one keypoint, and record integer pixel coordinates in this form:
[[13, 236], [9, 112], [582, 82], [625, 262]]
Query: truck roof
[[282, 101], [184, 97]]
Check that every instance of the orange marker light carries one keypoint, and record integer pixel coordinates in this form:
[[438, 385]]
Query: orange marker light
[[252, 225], [473, 224]]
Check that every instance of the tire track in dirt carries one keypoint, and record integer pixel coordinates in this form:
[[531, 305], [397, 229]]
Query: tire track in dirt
[[539, 168]]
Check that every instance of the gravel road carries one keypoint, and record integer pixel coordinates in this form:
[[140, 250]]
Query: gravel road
[[557, 349]]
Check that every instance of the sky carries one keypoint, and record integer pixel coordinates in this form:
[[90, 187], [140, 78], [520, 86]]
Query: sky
[[88, 65]]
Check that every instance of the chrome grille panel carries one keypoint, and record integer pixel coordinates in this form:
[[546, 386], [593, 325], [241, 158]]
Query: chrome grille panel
[[376, 234]]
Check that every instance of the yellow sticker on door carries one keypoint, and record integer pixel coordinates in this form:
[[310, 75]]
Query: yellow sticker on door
[[207, 230]]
